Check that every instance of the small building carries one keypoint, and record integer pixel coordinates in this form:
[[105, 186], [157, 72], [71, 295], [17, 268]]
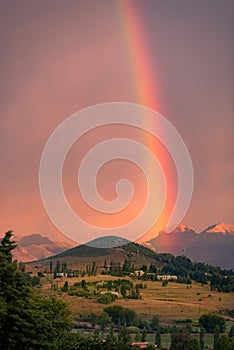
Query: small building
[[166, 277], [100, 284], [139, 273], [61, 274]]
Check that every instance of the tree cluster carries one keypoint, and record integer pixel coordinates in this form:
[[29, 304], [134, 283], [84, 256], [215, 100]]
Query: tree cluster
[[210, 321]]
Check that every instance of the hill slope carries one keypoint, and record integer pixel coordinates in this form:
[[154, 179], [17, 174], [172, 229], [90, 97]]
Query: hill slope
[[81, 256]]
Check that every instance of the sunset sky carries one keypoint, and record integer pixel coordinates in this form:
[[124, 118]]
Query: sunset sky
[[58, 57]]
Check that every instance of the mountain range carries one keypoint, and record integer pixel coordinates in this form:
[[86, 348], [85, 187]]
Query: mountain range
[[214, 245], [36, 247]]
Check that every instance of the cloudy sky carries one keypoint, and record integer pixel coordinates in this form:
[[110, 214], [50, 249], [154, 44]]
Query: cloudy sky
[[58, 57]]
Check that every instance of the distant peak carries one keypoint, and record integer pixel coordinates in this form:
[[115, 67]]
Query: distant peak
[[107, 242], [220, 228], [181, 228], [184, 228], [34, 238]]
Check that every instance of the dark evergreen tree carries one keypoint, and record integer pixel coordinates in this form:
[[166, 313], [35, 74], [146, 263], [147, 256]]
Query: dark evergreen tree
[[26, 321], [35, 281], [83, 284], [64, 267], [179, 340], [65, 287], [231, 332], [51, 268], [193, 345], [124, 339], [123, 290], [216, 337], [154, 323], [58, 266], [158, 339], [143, 334], [201, 338]]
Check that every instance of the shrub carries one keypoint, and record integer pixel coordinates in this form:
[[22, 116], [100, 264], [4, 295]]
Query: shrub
[[78, 292], [106, 298]]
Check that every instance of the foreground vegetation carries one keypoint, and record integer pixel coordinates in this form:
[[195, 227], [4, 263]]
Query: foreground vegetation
[[71, 313]]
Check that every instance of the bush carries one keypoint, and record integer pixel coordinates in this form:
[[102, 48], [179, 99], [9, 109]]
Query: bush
[[106, 298], [78, 292], [35, 281], [154, 323], [65, 287], [133, 329], [164, 283]]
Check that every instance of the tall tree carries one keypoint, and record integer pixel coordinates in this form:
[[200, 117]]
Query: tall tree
[[193, 345], [143, 335], [124, 339], [51, 268], [231, 332], [216, 337], [179, 340], [26, 320], [7, 245], [154, 323], [201, 338], [158, 339]]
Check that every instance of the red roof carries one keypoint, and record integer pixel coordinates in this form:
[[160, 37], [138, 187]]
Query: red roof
[[140, 344]]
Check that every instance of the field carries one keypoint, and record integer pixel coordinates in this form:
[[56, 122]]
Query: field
[[171, 303], [166, 340]]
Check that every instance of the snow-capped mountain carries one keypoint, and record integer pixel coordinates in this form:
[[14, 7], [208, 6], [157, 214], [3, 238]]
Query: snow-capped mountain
[[183, 228], [220, 228], [214, 245]]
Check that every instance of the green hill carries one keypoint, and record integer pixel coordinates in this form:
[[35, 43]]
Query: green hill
[[79, 257]]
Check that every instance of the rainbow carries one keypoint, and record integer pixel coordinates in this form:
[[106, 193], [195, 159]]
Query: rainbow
[[139, 58], [147, 93]]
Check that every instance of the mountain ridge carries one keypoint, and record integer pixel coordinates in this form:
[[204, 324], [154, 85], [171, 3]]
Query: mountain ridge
[[214, 245], [35, 246]]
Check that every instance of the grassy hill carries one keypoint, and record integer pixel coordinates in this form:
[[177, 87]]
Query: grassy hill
[[78, 257]]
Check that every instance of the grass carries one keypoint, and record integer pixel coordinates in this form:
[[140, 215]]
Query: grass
[[173, 302], [166, 340]]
